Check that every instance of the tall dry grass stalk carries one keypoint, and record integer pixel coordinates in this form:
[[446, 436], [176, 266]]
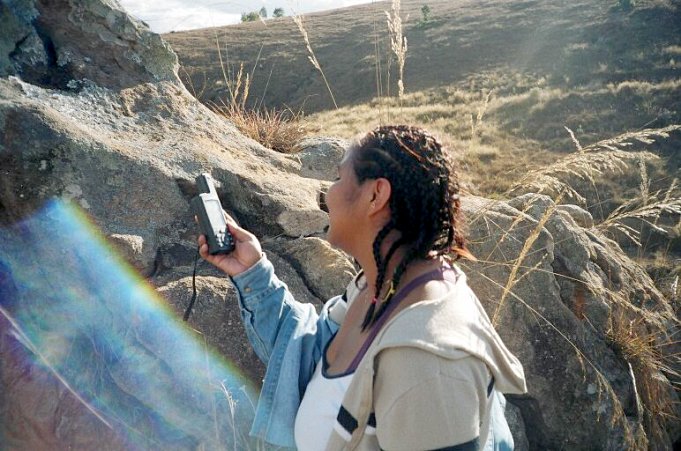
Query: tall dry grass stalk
[[311, 55], [398, 43], [647, 209], [476, 119], [513, 278], [590, 162], [379, 73]]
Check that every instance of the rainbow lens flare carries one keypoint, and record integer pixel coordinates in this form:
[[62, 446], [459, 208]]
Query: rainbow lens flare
[[83, 317]]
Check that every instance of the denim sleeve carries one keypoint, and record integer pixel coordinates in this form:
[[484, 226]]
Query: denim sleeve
[[500, 438], [266, 305], [289, 337]]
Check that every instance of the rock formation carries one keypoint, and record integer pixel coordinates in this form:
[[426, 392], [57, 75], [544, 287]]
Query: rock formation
[[92, 113]]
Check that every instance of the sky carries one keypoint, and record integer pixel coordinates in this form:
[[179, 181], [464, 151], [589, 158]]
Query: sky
[[164, 16]]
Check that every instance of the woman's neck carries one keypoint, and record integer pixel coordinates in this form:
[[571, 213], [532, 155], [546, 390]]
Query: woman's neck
[[368, 263], [415, 268]]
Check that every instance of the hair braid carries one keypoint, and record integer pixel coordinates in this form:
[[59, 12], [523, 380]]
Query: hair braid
[[381, 266], [369, 317], [410, 256]]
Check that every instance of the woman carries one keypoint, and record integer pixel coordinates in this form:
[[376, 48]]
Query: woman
[[407, 357]]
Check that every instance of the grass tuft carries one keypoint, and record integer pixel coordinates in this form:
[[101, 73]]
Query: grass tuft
[[278, 130]]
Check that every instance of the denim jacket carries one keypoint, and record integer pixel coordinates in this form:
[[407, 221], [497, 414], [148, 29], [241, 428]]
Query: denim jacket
[[289, 337]]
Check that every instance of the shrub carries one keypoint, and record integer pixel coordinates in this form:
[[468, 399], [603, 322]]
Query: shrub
[[278, 130], [425, 13], [250, 17]]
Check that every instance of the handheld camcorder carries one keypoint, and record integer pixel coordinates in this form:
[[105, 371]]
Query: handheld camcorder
[[207, 208]]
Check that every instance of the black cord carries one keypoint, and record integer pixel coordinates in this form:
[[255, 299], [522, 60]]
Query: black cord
[[191, 303]]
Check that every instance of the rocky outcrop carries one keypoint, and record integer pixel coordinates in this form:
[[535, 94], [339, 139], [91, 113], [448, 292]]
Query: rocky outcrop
[[560, 296], [61, 44], [98, 131]]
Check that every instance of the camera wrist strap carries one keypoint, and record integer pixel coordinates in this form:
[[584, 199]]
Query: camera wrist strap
[[188, 311]]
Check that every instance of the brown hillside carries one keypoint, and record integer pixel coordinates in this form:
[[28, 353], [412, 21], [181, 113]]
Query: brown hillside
[[569, 43], [591, 66]]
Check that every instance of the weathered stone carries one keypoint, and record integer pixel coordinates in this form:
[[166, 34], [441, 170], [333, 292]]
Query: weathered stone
[[320, 157], [515, 422], [131, 249], [578, 214], [60, 44], [324, 269]]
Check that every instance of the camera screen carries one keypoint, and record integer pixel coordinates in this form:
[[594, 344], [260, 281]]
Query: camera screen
[[214, 211]]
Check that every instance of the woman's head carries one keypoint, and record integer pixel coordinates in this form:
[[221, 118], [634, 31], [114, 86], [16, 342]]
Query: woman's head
[[424, 202], [424, 207]]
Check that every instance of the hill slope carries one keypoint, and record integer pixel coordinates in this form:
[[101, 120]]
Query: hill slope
[[569, 44]]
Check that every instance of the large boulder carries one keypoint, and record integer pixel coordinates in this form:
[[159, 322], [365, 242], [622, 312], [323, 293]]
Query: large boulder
[[60, 44], [571, 306], [99, 134]]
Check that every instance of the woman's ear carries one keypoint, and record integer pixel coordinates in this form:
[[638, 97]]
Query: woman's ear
[[380, 195]]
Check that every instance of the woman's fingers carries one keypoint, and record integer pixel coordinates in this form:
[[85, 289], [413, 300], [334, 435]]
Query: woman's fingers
[[246, 253], [228, 218], [234, 228]]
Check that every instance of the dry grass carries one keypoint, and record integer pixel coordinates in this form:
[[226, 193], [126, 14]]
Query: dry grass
[[632, 337], [637, 334], [278, 130], [592, 162], [513, 277], [311, 55], [398, 43], [490, 159], [647, 208]]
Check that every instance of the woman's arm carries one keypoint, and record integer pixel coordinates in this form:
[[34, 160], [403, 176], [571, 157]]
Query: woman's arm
[[268, 310]]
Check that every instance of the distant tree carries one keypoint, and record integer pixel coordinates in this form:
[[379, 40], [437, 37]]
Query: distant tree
[[263, 12], [250, 17], [425, 12], [278, 12]]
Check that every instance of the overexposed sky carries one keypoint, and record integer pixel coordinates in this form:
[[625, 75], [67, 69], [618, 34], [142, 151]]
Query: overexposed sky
[[163, 16]]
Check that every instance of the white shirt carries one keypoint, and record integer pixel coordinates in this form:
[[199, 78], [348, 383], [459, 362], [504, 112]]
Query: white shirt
[[319, 408]]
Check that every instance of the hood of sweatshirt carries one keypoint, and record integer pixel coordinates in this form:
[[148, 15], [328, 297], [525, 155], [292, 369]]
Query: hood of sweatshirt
[[456, 326]]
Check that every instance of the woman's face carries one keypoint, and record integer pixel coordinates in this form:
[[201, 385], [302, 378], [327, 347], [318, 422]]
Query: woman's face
[[344, 200]]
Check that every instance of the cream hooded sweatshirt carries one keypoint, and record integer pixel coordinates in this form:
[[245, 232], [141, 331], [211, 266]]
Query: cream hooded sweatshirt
[[427, 380]]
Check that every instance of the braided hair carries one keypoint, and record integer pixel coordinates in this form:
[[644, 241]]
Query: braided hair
[[424, 204]]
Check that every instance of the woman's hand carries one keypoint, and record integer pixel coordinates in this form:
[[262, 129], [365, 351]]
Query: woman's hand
[[247, 250]]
